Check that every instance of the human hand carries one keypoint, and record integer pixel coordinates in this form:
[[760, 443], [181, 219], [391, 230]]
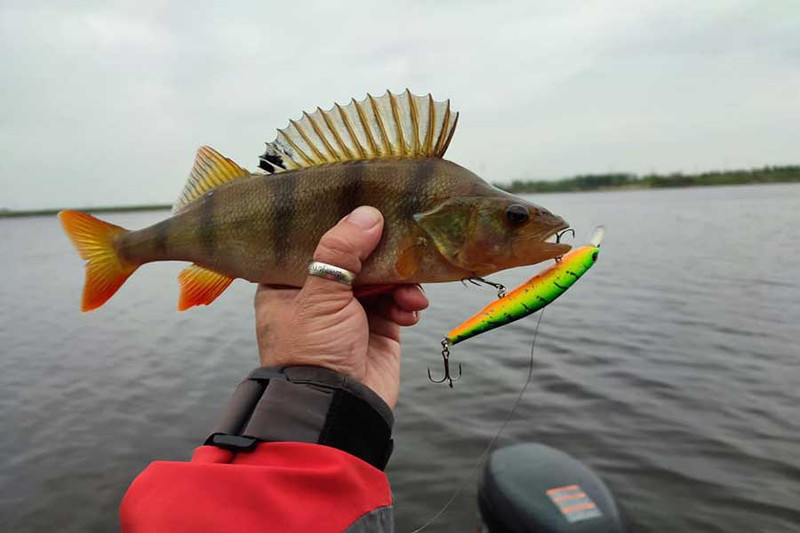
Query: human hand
[[323, 324]]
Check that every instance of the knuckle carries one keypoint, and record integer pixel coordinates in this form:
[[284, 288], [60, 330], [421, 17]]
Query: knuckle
[[338, 251], [336, 243]]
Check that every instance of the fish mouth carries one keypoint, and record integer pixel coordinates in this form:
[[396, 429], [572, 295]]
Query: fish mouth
[[541, 245], [552, 242]]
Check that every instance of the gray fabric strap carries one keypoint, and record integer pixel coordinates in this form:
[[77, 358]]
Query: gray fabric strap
[[317, 376], [242, 403], [306, 404], [287, 411]]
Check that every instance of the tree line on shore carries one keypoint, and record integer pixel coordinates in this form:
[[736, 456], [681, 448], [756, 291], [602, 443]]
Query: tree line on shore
[[622, 180], [587, 182]]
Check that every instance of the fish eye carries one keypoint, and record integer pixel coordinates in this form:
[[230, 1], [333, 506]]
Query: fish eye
[[517, 214], [594, 256]]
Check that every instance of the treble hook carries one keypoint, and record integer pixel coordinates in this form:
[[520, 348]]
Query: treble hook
[[446, 359], [477, 281], [558, 240]]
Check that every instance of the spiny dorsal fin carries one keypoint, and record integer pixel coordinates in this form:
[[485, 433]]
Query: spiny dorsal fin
[[392, 125], [211, 169]]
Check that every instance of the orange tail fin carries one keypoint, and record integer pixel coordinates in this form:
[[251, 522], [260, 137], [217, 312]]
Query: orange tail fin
[[105, 270]]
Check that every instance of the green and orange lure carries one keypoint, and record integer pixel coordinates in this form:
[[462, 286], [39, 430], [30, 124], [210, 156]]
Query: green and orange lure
[[533, 295]]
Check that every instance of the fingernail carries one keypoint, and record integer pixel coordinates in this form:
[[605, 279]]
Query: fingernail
[[365, 217]]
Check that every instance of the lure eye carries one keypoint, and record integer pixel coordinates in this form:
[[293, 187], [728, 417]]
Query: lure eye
[[594, 256], [517, 214]]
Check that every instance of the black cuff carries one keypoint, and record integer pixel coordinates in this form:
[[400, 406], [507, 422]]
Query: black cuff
[[307, 404]]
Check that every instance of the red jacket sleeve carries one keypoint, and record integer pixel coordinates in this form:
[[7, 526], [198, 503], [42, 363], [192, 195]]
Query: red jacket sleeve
[[279, 486]]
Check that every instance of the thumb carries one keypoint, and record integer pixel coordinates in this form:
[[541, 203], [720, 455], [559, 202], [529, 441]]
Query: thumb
[[346, 245]]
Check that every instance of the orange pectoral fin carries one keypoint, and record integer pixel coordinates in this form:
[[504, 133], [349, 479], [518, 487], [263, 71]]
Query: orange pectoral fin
[[200, 286], [408, 261]]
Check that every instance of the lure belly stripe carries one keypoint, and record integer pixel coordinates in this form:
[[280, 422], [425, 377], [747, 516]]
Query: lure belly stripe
[[534, 294]]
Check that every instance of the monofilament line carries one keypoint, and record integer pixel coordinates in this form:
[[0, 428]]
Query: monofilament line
[[492, 443]]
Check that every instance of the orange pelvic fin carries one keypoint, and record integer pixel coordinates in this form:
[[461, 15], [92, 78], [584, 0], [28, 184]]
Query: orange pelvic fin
[[200, 286], [105, 270]]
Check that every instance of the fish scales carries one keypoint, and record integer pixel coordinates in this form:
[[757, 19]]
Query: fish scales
[[282, 196], [265, 228]]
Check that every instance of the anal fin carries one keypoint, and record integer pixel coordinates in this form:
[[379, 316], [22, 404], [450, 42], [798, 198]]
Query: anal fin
[[200, 286]]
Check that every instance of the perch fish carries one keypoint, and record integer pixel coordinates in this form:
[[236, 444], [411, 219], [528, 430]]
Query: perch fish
[[442, 222]]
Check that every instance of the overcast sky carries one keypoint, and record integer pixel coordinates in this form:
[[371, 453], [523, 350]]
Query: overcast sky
[[105, 103]]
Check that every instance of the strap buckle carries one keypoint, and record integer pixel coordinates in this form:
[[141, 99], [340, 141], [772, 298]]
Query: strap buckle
[[234, 443]]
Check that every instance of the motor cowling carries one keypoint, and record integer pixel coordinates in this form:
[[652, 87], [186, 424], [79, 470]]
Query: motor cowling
[[533, 488]]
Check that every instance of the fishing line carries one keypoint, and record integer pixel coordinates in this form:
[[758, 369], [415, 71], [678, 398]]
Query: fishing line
[[492, 442]]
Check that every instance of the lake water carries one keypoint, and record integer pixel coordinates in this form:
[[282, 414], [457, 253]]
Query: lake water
[[672, 369]]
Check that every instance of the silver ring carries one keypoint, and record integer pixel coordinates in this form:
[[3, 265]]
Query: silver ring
[[333, 273]]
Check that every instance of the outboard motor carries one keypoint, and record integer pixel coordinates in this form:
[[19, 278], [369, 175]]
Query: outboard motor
[[533, 488]]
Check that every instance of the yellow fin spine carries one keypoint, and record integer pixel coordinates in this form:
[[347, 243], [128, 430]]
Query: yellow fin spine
[[412, 105], [335, 133], [443, 133], [319, 158], [446, 144], [396, 114], [351, 132], [297, 149], [428, 146], [331, 152], [387, 146], [362, 117]]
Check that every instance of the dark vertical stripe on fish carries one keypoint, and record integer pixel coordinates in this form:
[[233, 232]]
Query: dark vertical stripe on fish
[[206, 230], [162, 237], [351, 194], [283, 192], [416, 189]]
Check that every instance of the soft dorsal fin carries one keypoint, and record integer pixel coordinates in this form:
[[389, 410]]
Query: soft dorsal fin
[[211, 169], [392, 125]]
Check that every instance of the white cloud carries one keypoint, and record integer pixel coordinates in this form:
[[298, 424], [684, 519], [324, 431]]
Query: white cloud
[[104, 103]]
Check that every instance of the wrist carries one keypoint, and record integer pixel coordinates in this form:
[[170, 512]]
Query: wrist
[[385, 384], [288, 359]]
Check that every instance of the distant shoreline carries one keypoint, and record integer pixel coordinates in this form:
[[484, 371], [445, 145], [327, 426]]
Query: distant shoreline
[[584, 183], [7, 213], [614, 181]]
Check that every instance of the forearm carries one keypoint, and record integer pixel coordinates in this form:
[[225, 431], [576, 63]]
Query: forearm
[[297, 449]]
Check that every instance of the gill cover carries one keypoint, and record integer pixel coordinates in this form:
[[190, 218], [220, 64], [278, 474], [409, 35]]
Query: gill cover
[[468, 232]]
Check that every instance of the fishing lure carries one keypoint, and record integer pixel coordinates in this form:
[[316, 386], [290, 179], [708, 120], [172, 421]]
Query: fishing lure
[[533, 295]]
